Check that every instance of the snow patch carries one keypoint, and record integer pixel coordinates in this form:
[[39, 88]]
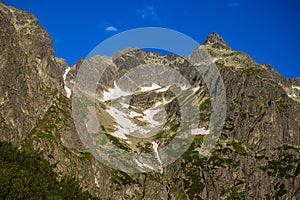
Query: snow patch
[[124, 105], [184, 87], [292, 95], [68, 90], [154, 86], [151, 112], [296, 87], [143, 165], [114, 93], [196, 89], [215, 59], [125, 124], [135, 114], [200, 131], [138, 163], [155, 148], [163, 89]]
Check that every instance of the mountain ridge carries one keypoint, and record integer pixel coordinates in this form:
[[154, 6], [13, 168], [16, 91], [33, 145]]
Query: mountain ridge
[[259, 144]]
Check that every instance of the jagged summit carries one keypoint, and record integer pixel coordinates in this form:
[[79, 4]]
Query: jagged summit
[[216, 41]]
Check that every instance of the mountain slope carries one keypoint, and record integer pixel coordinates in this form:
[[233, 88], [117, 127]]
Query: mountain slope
[[256, 157]]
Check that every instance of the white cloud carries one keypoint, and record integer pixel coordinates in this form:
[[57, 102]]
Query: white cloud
[[111, 29], [147, 13]]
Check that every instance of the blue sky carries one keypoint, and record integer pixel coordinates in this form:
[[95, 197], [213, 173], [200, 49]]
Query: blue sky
[[268, 31]]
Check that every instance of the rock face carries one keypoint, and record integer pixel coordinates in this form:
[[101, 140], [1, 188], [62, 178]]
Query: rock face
[[29, 77], [216, 41], [257, 156]]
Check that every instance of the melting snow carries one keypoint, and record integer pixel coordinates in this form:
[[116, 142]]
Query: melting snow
[[296, 87], [196, 89], [155, 148], [215, 59], [152, 87], [200, 131], [139, 163], [292, 95], [125, 125], [163, 89], [185, 87], [114, 93], [125, 105], [135, 114], [143, 165], [158, 88], [68, 90], [124, 119], [151, 112]]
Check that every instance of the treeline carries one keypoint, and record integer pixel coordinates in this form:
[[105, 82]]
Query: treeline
[[27, 175]]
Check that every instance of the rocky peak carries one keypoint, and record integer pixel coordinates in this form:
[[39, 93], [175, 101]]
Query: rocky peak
[[216, 41], [29, 75]]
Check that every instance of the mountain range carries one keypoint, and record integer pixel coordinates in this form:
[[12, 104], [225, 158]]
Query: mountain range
[[256, 156]]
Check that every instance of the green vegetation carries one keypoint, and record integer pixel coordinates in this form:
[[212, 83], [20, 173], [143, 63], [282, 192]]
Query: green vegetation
[[2, 123], [175, 127], [191, 165], [155, 176], [251, 71], [27, 175], [204, 114], [44, 135], [145, 148], [233, 193], [216, 160], [221, 158], [204, 117], [205, 105], [86, 155], [198, 140], [220, 62], [161, 134], [54, 119], [118, 142], [282, 105], [194, 189], [238, 148], [280, 191], [284, 163], [122, 178]]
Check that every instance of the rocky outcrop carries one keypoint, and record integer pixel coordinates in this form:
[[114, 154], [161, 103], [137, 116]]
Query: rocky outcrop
[[216, 41], [29, 76]]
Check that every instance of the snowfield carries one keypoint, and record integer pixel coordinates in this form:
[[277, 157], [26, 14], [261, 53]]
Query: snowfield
[[68, 90]]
